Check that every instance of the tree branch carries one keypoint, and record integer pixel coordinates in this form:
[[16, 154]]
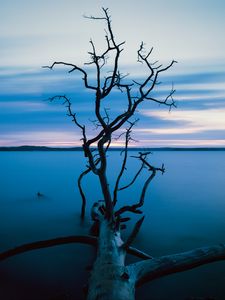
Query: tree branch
[[74, 68], [133, 180], [142, 157], [135, 207], [168, 101], [86, 147], [138, 253], [144, 88], [111, 46], [90, 240], [70, 112], [133, 234], [123, 167], [158, 267], [83, 207]]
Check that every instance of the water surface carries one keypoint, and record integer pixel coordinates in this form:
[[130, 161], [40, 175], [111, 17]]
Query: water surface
[[184, 209]]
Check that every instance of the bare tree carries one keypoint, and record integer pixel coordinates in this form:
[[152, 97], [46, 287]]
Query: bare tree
[[111, 277]]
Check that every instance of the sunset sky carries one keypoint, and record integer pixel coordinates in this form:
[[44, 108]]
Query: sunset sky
[[37, 33]]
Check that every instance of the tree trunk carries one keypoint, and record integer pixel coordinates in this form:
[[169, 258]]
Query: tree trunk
[[110, 279]]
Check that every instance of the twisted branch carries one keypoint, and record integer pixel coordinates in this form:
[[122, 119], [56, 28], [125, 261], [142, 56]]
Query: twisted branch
[[123, 167], [83, 197], [135, 207], [74, 68]]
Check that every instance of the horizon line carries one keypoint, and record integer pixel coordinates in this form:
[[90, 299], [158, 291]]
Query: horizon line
[[79, 148]]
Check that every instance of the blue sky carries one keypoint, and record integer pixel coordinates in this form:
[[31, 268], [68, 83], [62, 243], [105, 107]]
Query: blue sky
[[36, 33]]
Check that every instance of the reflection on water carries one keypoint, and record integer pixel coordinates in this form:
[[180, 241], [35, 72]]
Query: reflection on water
[[184, 209]]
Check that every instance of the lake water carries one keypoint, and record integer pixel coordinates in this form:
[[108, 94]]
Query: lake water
[[184, 208]]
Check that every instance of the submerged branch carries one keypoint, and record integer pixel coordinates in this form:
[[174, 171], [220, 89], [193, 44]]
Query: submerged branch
[[89, 240], [134, 233], [83, 197], [138, 253]]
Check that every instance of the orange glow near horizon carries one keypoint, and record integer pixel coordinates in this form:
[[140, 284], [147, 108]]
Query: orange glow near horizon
[[69, 140]]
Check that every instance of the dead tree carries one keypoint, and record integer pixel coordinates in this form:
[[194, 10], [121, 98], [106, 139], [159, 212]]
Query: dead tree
[[111, 277]]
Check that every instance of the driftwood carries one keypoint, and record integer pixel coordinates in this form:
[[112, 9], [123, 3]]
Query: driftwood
[[111, 278]]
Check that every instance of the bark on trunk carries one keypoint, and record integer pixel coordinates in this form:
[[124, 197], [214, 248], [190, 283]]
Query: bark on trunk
[[110, 279]]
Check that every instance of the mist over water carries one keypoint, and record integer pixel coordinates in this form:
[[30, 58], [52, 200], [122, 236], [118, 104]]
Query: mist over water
[[184, 209]]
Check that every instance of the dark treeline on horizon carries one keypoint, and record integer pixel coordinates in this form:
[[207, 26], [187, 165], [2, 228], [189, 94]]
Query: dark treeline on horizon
[[46, 148]]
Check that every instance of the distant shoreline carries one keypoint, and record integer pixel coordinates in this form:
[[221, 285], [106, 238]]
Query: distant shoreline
[[45, 148]]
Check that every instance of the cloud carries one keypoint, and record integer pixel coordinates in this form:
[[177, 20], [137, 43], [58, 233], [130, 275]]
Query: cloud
[[200, 112], [48, 138], [181, 143], [167, 131], [193, 120], [18, 107]]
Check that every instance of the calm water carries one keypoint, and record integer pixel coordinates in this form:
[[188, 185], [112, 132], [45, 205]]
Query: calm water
[[184, 209]]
